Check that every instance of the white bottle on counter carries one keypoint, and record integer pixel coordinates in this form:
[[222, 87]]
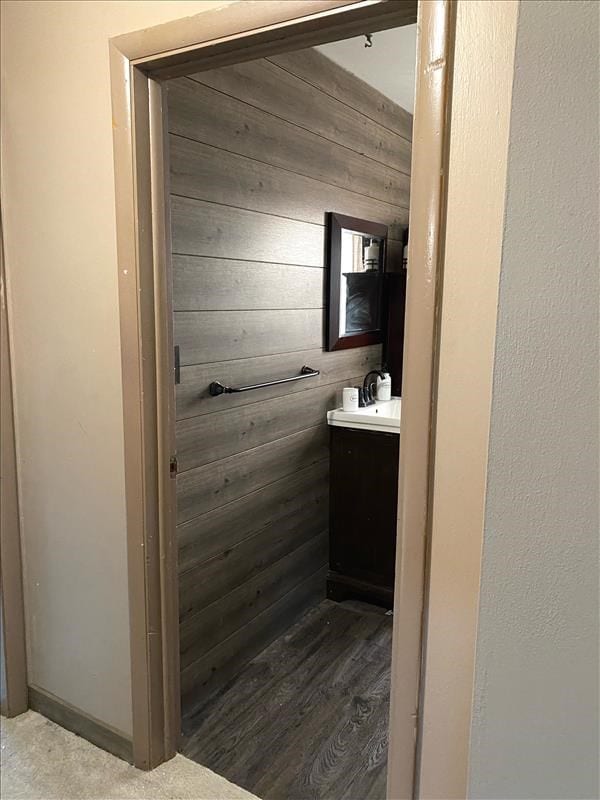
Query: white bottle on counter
[[384, 387]]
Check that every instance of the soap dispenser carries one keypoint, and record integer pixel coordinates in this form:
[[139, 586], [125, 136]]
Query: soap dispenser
[[384, 387]]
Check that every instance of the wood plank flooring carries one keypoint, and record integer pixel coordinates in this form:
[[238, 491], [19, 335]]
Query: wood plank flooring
[[307, 719]]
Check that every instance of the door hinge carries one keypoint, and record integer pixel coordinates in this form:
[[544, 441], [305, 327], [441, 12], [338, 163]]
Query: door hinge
[[173, 466], [415, 719], [176, 365]]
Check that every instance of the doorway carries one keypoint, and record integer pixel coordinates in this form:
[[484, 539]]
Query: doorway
[[285, 581], [147, 327]]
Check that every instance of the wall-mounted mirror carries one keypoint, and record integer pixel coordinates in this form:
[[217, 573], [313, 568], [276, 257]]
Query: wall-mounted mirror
[[356, 259]]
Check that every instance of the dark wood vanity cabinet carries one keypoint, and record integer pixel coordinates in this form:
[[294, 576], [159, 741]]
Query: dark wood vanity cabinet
[[363, 510]]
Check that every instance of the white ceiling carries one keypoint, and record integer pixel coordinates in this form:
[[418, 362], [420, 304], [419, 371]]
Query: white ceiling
[[389, 65]]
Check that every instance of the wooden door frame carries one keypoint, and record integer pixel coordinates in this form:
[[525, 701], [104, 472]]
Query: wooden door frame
[[14, 697], [138, 63]]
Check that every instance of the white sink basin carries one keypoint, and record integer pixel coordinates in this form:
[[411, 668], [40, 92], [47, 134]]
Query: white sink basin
[[384, 416]]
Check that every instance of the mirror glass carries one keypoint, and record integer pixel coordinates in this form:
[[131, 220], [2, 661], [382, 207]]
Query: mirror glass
[[357, 257], [361, 268]]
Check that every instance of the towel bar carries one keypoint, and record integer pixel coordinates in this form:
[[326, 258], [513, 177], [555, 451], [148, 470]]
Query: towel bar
[[216, 387]]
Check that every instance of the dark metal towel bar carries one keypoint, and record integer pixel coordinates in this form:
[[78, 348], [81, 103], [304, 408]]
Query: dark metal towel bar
[[217, 388]]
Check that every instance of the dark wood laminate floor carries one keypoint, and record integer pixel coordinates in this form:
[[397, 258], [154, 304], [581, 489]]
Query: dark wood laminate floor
[[308, 718]]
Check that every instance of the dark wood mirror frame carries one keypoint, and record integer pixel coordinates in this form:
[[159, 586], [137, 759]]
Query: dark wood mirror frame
[[335, 224]]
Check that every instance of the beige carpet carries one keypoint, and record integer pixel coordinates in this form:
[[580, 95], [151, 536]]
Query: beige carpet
[[42, 761]]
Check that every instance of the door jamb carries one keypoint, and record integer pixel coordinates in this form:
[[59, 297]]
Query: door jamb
[[430, 156], [14, 698], [138, 61]]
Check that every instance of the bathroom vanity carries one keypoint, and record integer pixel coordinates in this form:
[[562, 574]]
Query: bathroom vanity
[[364, 452]]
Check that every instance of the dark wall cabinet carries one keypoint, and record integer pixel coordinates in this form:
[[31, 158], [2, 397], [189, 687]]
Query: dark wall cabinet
[[393, 346], [363, 510]]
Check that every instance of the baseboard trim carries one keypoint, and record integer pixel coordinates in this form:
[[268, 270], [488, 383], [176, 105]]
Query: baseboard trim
[[84, 725], [345, 587]]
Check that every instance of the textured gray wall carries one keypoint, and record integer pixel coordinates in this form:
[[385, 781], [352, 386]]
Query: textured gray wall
[[535, 723]]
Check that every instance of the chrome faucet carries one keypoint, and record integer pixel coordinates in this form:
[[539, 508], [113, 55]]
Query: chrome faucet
[[367, 392]]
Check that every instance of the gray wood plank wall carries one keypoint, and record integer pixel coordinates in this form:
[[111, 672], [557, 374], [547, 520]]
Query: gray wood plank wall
[[259, 152]]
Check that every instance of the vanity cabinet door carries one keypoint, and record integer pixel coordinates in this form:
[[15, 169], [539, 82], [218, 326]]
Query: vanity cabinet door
[[363, 508]]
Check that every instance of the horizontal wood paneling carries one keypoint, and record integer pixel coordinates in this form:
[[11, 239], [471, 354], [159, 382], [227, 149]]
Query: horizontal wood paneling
[[324, 74], [304, 488], [233, 125], [200, 490], [220, 575], [200, 633], [206, 675], [266, 86], [193, 397], [258, 155], [205, 439], [216, 284], [206, 229], [206, 173], [208, 336]]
